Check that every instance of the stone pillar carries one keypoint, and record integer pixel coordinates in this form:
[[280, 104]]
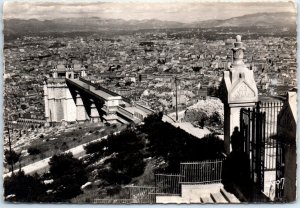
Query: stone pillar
[[287, 128], [95, 117], [238, 90], [80, 110]]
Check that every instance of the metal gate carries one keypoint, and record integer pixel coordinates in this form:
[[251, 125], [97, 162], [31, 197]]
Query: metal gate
[[271, 108], [280, 179], [252, 126]]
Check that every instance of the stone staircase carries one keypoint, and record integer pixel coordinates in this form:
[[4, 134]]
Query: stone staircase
[[200, 193], [222, 197]]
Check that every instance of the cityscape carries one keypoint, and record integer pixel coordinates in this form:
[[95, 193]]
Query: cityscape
[[121, 109]]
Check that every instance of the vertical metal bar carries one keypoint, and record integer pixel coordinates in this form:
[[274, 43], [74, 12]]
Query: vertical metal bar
[[267, 109], [200, 171], [216, 177], [180, 171], [176, 104], [241, 127], [263, 148], [189, 170], [250, 149], [195, 173], [275, 133], [217, 167], [268, 129], [213, 177], [205, 170], [221, 166], [271, 152], [211, 168], [173, 186], [155, 183], [259, 147], [269, 148]]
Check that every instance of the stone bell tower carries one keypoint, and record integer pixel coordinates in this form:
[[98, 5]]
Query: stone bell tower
[[238, 90]]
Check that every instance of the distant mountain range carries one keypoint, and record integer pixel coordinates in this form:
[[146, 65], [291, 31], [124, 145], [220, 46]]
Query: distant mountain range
[[282, 19], [15, 26]]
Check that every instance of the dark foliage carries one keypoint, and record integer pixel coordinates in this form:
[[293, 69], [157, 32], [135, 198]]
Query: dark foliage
[[113, 177], [11, 157], [33, 151], [131, 164], [175, 145], [126, 141], [128, 161], [114, 190], [26, 188], [215, 119], [69, 175]]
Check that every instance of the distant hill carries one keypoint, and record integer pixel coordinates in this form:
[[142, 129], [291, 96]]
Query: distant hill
[[14, 26], [17, 26], [282, 19]]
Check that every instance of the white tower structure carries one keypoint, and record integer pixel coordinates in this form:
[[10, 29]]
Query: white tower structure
[[238, 90]]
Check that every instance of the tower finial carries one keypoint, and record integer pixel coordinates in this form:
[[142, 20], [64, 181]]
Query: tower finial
[[238, 51]]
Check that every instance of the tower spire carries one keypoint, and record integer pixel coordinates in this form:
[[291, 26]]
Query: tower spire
[[238, 52]]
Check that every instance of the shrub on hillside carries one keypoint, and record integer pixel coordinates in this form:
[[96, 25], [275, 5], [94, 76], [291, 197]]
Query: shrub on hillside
[[33, 151], [175, 145], [128, 160], [11, 157], [95, 146], [132, 164], [24, 188], [125, 141], [68, 174], [113, 177]]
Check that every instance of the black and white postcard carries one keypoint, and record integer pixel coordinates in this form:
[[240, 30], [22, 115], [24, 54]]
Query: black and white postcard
[[140, 102]]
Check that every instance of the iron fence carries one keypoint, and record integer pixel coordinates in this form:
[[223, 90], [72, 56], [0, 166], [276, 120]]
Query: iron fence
[[131, 195], [113, 201], [168, 184], [203, 172], [252, 127], [141, 194], [271, 109]]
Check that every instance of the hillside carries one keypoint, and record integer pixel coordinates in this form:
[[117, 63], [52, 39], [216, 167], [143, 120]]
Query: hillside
[[15, 26], [283, 19]]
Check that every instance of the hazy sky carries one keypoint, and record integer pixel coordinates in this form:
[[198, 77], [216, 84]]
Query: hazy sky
[[176, 11]]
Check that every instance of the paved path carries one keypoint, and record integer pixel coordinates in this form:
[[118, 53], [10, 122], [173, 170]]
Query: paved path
[[42, 166]]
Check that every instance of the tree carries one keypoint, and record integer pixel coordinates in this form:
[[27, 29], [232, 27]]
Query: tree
[[24, 188], [175, 145], [33, 151], [68, 174], [11, 157], [127, 160]]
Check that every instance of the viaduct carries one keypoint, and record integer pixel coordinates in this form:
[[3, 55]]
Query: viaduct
[[70, 97]]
